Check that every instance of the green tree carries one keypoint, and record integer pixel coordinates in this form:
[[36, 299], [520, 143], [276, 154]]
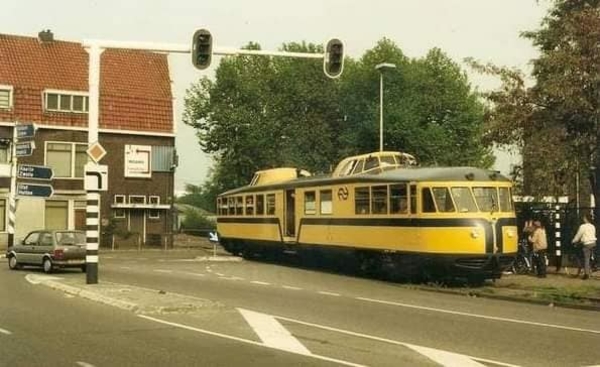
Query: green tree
[[555, 121], [430, 109]]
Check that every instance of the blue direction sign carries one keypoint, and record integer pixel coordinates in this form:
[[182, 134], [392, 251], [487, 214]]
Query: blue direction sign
[[25, 131], [38, 190], [35, 172], [25, 149]]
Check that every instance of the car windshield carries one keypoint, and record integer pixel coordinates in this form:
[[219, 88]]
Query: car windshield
[[70, 238]]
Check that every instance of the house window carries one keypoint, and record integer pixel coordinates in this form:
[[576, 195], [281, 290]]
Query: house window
[[137, 199], [119, 199], [154, 200], [2, 215], [4, 150], [5, 97], [66, 102], [67, 160], [119, 213], [154, 214], [57, 214]]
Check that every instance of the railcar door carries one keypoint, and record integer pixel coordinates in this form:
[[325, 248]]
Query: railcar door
[[290, 213]]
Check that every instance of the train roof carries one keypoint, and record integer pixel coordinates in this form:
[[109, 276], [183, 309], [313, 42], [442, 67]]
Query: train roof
[[410, 174]]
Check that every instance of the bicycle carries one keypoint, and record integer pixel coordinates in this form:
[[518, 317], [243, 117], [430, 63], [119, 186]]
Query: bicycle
[[573, 262], [523, 263]]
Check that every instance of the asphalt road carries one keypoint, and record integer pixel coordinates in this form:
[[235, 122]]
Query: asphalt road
[[318, 319]]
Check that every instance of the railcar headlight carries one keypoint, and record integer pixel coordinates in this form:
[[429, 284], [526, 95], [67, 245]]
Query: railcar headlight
[[474, 233], [510, 233]]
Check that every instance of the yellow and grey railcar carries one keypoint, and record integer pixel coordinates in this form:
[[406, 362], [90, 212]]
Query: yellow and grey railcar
[[382, 211]]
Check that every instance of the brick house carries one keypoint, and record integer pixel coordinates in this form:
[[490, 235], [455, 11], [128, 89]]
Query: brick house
[[45, 82]]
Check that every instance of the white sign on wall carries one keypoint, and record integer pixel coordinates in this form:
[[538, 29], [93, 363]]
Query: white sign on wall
[[138, 160]]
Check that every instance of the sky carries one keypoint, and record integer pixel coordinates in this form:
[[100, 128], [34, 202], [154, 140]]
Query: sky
[[487, 30]]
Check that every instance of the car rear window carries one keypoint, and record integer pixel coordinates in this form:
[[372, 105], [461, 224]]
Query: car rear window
[[75, 238]]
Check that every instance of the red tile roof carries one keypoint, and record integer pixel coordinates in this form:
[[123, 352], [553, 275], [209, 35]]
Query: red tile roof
[[135, 87]]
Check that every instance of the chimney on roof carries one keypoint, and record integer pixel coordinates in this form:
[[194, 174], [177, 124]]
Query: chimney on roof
[[46, 36]]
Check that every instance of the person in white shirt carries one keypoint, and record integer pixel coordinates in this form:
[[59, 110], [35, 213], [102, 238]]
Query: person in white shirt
[[586, 234]]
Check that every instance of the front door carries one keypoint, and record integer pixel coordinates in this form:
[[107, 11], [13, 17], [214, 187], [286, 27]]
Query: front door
[[137, 221], [290, 213]]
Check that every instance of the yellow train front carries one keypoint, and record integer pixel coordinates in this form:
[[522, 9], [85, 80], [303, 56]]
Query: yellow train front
[[382, 212]]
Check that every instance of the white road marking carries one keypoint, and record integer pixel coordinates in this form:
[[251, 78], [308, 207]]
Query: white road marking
[[258, 282], [495, 318], [125, 267], [230, 337], [444, 358], [272, 333], [219, 274], [4, 331], [329, 293], [163, 271], [84, 364], [37, 279], [230, 278], [292, 288], [395, 342]]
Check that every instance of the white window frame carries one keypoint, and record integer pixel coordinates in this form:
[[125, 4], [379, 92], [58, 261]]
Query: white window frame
[[154, 200], [137, 197], [73, 157], [117, 215], [71, 94], [10, 90], [153, 211], [119, 199]]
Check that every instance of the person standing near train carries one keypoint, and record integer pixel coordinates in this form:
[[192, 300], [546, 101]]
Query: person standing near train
[[539, 242], [586, 234]]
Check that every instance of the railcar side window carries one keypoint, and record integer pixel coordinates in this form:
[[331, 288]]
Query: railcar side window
[[464, 199], [379, 199], [239, 205], [443, 199], [359, 167], [427, 201], [398, 199], [347, 169], [371, 163], [231, 205], [310, 200], [362, 200], [270, 204], [260, 204], [326, 202], [249, 205], [413, 199], [505, 200], [487, 198]]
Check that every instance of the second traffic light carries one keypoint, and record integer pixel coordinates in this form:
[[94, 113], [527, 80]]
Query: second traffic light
[[333, 62], [202, 49]]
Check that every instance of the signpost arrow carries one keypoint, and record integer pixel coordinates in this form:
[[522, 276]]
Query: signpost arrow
[[25, 149], [35, 172], [37, 190], [25, 131]]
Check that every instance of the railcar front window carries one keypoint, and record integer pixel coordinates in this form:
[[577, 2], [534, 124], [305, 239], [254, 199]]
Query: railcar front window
[[310, 199], [486, 198], [379, 199], [505, 200], [443, 199], [464, 199], [362, 200], [271, 204]]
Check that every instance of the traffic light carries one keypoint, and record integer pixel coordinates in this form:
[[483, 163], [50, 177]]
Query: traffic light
[[202, 49], [333, 62]]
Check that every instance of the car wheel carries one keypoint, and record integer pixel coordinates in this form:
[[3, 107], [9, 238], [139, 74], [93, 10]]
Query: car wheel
[[13, 264], [47, 265]]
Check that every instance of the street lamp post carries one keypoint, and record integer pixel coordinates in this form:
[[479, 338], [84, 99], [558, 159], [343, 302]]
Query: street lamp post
[[380, 68]]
